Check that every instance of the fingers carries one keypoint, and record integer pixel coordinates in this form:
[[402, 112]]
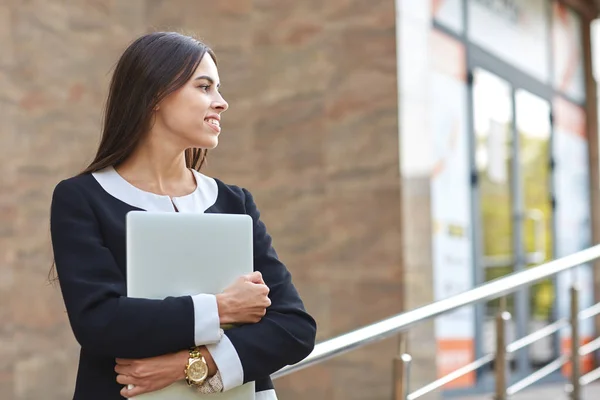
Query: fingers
[[131, 391], [131, 369], [255, 277], [124, 361], [127, 380], [260, 288], [264, 289], [121, 369]]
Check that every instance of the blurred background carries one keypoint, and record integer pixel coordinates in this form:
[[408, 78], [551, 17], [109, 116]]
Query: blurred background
[[400, 152]]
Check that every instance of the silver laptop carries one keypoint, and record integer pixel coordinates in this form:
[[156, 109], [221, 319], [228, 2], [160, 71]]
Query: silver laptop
[[176, 254]]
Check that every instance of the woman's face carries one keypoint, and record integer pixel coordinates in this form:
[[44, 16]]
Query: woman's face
[[191, 116]]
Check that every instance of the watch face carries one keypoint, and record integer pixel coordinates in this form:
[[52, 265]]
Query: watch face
[[197, 371]]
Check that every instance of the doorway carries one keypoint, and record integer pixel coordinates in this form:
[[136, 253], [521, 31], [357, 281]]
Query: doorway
[[513, 210]]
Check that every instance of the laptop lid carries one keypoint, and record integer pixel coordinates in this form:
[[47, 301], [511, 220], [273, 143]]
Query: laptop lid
[[176, 254]]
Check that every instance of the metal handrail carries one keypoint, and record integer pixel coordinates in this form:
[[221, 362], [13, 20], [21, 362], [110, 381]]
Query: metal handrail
[[473, 366], [538, 375], [537, 335], [392, 326]]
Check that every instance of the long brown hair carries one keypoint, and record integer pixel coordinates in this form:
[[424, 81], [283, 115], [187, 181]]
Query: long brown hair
[[151, 68]]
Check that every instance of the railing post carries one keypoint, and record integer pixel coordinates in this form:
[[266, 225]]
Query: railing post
[[401, 376], [501, 363], [575, 358]]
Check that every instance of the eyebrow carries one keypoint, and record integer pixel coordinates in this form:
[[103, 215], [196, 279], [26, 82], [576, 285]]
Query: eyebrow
[[208, 78]]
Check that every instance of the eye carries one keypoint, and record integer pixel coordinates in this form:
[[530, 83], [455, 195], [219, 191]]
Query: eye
[[206, 88]]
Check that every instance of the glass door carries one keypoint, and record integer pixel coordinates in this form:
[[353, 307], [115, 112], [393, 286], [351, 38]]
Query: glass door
[[534, 129], [511, 143]]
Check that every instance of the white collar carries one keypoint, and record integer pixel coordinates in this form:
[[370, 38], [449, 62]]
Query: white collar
[[199, 200]]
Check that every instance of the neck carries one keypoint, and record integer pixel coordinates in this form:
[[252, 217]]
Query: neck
[[157, 167]]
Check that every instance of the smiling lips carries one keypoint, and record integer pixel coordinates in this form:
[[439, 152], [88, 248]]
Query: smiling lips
[[214, 123]]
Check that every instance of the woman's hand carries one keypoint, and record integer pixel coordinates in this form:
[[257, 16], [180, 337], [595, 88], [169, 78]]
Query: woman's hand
[[155, 373], [150, 374], [245, 301]]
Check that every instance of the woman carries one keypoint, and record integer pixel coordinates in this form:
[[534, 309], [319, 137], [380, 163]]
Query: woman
[[163, 113]]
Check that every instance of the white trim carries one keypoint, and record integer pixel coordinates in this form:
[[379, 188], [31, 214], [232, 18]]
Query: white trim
[[228, 362], [266, 395], [202, 198], [199, 200], [206, 319]]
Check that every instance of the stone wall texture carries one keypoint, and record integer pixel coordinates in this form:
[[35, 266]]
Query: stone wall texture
[[312, 131]]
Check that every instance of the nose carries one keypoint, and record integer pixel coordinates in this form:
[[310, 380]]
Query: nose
[[220, 104]]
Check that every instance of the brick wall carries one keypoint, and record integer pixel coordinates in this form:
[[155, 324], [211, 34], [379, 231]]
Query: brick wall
[[312, 131]]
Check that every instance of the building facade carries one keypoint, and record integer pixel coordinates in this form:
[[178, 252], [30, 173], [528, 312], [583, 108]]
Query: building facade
[[498, 156], [399, 152]]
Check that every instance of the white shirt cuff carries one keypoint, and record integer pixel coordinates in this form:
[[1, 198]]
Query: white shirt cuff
[[266, 395], [228, 362], [206, 319]]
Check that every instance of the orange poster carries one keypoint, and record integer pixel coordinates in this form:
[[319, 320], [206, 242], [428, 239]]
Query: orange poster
[[450, 206], [573, 230]]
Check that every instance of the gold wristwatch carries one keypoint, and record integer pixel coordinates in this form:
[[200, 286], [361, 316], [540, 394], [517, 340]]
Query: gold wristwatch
[[196, 370]]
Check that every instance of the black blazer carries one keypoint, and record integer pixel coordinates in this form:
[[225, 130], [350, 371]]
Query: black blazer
[[88, 238]]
